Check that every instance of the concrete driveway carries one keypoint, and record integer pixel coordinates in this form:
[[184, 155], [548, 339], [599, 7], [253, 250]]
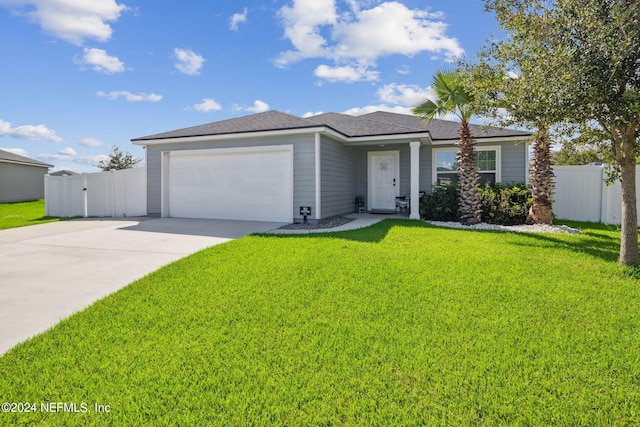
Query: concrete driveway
[[49, 271]]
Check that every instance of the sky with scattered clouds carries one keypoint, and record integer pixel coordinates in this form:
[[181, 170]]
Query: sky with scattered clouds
[[82, 76]]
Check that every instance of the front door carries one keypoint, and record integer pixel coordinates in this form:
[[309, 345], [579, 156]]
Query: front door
[[384, 180]]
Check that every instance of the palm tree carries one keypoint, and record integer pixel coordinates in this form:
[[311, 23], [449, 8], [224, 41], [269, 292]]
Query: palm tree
[[541, 179], [453, 98]]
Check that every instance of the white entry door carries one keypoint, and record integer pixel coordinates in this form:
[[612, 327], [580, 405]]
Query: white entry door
[[384, 180]]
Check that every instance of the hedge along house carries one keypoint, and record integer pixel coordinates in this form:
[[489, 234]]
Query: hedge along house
[[274, 166]]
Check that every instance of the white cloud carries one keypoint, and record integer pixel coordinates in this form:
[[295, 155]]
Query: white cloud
[[101, 61], [131, 97], [188, 62], [237, 19], [74, 158], [358, 111], [317, 29], [258, 107], [70, 20], [311, 114], [302, 26], [347, 73], [404, 70], [207, 105], [29, 132], [392, 28], [407, 95], [91, 142], [18, 151], [68, 152], [399, 98]]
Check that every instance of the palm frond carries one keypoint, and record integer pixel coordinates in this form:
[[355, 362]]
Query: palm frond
[[451, 98]]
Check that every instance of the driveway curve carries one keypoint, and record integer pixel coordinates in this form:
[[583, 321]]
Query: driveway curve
[[50, 271]]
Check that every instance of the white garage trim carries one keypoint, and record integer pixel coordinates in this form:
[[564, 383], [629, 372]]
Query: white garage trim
[[272, 202]]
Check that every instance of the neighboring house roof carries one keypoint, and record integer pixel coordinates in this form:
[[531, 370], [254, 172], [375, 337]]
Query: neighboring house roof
[[368, 125], [7, 157], [63, 172]]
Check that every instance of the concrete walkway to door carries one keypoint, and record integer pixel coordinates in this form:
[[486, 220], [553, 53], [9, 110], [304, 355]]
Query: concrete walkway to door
[[50, 271]]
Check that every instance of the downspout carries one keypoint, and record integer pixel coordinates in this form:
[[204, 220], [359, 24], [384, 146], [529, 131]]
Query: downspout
[[318, 176]]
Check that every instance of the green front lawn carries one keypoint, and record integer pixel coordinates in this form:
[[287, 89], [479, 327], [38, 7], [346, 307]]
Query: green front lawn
[[400, 324], [20, 214]]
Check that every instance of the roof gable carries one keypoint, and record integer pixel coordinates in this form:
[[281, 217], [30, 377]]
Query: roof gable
[[355, 126], [8, 157]]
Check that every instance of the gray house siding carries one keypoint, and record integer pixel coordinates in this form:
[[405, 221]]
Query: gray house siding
[[361, 170], [338, 178], [513, 162], [426, 171], [303, 166], [21, 182], [405, 169]]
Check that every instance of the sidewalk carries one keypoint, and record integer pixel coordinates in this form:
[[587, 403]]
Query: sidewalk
[[360, 221]]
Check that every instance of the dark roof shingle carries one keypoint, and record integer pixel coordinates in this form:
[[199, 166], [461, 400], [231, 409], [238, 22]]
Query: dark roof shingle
[[379, 123], [270, 120], [441, 129]]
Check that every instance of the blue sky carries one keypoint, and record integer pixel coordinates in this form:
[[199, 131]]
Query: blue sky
[[80, 76]]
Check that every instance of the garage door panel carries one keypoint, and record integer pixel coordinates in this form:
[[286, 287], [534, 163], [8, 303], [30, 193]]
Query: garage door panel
[[249, 185]]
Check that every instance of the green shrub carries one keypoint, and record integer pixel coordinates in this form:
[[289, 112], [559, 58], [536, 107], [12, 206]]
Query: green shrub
[[442, 204], [505, 204], [501, 204]]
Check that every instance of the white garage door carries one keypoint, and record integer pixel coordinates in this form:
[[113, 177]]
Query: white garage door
[[253, 184]]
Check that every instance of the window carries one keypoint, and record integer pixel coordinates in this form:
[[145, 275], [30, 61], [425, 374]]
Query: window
[[445, 166], [486, 160]]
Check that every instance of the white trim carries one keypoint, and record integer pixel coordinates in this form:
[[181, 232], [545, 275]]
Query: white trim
[[496, 148], [415, 180], [318, 176], [370, 154], [17, 162], [480, 141], [355, 140], [164, 184], [228, 136], [231, 150], [388, 139]]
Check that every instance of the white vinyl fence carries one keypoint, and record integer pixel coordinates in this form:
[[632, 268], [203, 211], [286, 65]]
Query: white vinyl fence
[[103, 194], [581, 194]]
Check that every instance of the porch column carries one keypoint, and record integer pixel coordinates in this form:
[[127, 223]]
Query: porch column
[[415, 180]]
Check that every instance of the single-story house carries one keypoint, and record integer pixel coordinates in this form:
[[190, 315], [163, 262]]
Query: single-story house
[[274, 166], [63, 172], [21, 178]]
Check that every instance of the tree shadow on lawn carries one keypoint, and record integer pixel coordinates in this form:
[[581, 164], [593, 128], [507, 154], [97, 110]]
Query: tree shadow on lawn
[[593, 244], [598, 245], [375, 233]]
